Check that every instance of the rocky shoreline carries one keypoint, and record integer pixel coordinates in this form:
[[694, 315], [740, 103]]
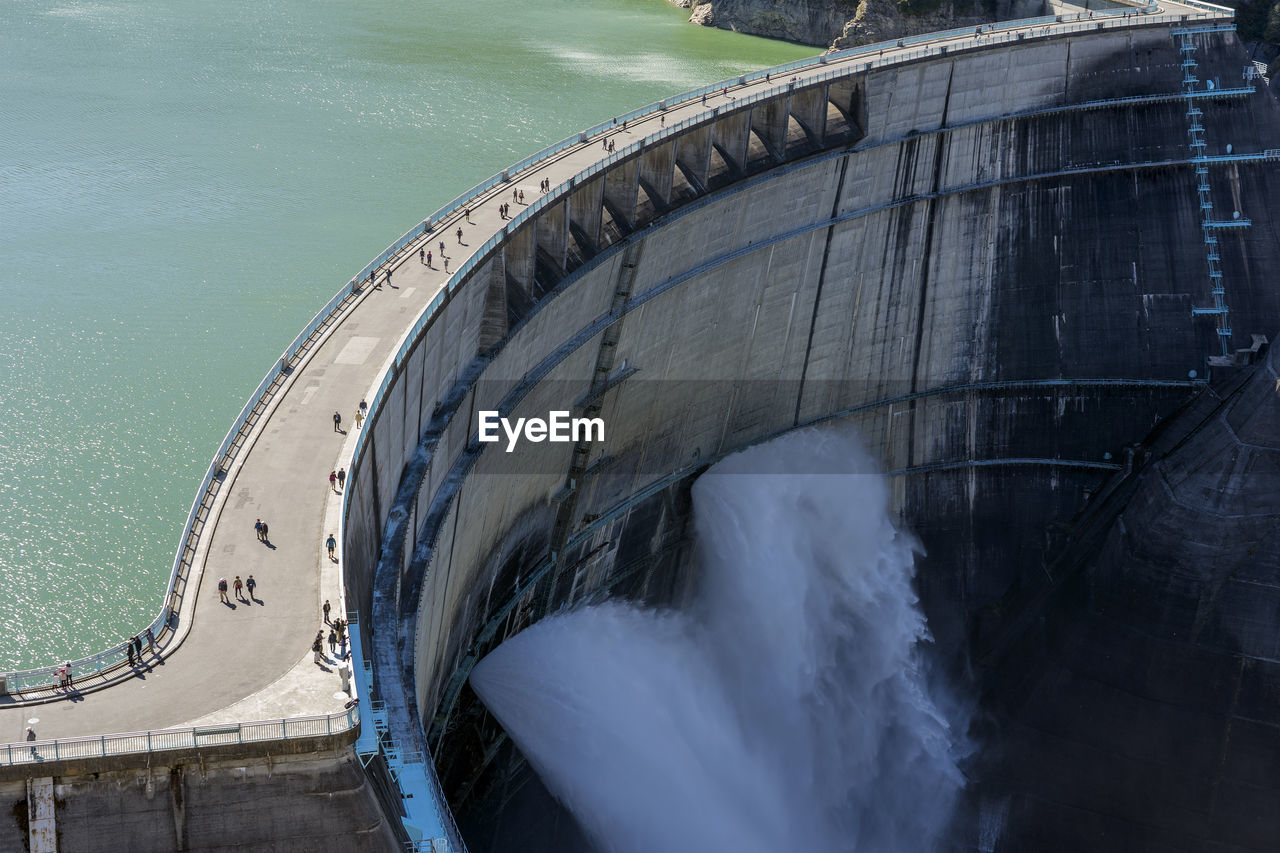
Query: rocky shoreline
[[838, 24]]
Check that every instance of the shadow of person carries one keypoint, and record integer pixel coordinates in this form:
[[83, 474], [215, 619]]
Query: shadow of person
[[229, 604], [333, 559], [254, 598], [269, 544]]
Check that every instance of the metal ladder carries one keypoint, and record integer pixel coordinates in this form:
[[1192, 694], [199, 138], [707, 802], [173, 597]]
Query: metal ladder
[[1209, 226]]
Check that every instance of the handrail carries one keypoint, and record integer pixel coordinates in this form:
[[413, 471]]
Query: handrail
[[985, 36], [190, 737]]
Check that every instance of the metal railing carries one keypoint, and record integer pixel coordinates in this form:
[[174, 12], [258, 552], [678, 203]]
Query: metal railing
[[1055, 25], [161, 740], [937, 44], [874, 59]]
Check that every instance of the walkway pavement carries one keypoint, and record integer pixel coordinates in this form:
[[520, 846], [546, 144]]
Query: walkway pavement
[[252, 659]]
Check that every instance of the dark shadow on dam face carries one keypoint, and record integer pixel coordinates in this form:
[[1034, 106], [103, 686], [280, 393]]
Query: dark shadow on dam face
[[1003, 310]]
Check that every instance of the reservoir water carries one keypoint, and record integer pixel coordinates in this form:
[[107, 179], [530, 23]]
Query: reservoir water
[[183, 185]]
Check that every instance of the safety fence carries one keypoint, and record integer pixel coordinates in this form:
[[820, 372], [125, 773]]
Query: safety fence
[[105, 664], [162, 740]]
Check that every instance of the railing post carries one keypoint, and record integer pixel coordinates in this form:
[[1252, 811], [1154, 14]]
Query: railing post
[[102, 745], [148, 740]]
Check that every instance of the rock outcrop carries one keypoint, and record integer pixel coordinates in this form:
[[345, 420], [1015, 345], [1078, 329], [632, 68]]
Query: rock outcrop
[[838, 24], [815, 22]]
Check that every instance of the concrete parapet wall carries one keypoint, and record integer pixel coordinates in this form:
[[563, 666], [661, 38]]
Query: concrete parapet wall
[[210, 802]]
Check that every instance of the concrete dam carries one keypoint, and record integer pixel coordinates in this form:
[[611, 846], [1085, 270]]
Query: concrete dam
[[1029, 265], [1031, 270]]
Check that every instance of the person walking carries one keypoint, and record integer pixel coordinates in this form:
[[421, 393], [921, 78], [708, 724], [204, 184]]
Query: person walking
[[317, 649], [388, 278], [66, 669], [342, 478], [239, 588], [515, 195], [331, 544], [222, 590], [333, 642], [151, 638], [364, 407], [428, 260], [359, 419], [521, 196], [422, 256], [326, 611], [446, 263], [137, 647], [128, 647], [251, 585], [337, 422], [264, 533], [459, 233], [333, 480], [257, 528], [466, 214]]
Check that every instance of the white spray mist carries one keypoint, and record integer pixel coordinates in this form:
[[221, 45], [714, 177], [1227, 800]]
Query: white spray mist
[[785, 710]]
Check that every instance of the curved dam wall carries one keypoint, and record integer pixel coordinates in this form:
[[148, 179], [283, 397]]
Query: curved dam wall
[[986, 263]]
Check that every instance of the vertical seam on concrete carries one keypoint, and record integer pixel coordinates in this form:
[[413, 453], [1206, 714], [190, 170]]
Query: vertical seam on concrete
[[1223, 753], [822, 277], [377, 502], [623, 285], [940, 143]]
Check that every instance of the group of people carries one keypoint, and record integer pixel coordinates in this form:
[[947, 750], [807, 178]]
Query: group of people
[[239, 586], [337, 637], [134, 648], [338, 479], [361, 413]]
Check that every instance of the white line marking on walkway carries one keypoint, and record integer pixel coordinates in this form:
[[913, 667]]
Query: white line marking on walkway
[[408, 291], [309, 392]]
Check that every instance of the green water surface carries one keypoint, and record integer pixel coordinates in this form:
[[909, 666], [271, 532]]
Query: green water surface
[[183, 185]]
